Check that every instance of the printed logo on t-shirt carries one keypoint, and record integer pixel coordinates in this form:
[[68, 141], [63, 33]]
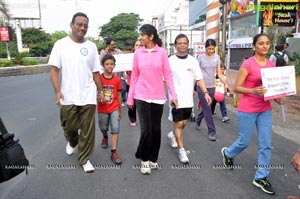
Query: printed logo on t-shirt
[[189, 69], [84, 51], [108, 93]]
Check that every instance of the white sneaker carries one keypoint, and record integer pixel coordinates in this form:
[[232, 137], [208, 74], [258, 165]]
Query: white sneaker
[[225, 119], [145, 167], [183, 156], [88, 167], [153, 165], [172, 139], [69, 150]]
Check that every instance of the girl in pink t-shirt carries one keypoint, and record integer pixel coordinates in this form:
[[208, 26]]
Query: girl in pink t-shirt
[[254, 111]]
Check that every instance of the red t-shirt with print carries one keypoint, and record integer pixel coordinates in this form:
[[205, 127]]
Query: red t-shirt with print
[[111, 87]]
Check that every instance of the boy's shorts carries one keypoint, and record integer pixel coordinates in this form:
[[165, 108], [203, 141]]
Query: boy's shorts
[[111, 120], [181, 114]]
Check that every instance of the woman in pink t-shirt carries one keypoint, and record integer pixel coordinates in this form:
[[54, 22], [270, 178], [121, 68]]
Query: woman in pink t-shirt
[[253, 110]]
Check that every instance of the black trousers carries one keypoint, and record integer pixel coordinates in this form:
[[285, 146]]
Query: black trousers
[[150, 123], [131, 112]]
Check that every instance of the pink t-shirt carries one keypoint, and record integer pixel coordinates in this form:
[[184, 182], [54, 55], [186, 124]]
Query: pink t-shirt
[[150, 70], [251, 103]]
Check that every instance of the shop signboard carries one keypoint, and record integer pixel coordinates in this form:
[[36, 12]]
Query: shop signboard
[[280, 12]]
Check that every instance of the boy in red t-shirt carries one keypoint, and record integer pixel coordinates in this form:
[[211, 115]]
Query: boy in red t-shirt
[[110, 109]]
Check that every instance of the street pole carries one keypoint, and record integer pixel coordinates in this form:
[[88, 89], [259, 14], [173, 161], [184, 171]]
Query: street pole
[[40, 15], [6, 42], [224, 16]]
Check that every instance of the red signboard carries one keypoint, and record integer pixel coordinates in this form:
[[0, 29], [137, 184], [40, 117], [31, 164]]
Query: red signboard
[[298, 11], [4, 33]]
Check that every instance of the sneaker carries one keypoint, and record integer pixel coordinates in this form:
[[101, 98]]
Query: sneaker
[[69, 150], [104, 143], [123, 104], [228, 162], [88, 167], [264, 185], [145, 167], [172, 140], [198, 127], [153, 165], [212, 138], [132, 123], [225, 119], [183, 156], [115, 158]]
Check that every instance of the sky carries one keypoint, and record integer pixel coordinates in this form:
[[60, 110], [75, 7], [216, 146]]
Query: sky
[[57, 14]]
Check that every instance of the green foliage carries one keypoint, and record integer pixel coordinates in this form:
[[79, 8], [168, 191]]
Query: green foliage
[[3, 53], [296, 58], [57, 35], [4, 9], [12, 46], [99, 44], [38, 42], [18, 58], [122, 28], [27, 61], [5, 62], [272, 31]]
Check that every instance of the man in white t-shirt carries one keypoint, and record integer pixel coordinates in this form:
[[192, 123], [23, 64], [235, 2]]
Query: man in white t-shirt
[[279, 55], [75, 78], [186, 72]]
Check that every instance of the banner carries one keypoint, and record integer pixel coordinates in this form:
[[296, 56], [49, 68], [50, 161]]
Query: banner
[[280, 12], [279, 81], [123, 62], [199, 48], [4, 33]]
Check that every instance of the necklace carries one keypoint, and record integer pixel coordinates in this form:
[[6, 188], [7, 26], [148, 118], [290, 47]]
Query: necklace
[[261, 62]]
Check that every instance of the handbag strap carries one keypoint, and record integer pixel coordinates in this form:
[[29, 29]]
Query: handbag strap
[[3, 129]]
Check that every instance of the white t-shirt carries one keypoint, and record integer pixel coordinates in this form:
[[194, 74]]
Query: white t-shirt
[[184, 72], [77, 62], [274, 59]]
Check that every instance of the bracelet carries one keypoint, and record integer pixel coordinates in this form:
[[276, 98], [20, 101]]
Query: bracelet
[[205, 92]]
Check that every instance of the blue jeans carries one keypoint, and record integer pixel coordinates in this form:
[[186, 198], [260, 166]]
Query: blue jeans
[[111, 120], [222, 107], [206, 111], [124, 96], [246, 122]]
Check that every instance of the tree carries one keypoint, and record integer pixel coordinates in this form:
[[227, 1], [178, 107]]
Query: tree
[[122, 28], [4, 9], [38, 42], [57, 35]]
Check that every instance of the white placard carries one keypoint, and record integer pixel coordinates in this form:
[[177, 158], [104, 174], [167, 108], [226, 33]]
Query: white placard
[[123, 62], [279, 81]]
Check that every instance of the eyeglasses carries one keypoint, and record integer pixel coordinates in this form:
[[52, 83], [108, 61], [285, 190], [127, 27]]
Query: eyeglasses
[[86, 26], [181, 43]]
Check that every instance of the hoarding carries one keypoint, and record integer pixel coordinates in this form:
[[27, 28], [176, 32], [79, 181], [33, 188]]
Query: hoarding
[[280, 12], [25, 9], [4, 33]]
